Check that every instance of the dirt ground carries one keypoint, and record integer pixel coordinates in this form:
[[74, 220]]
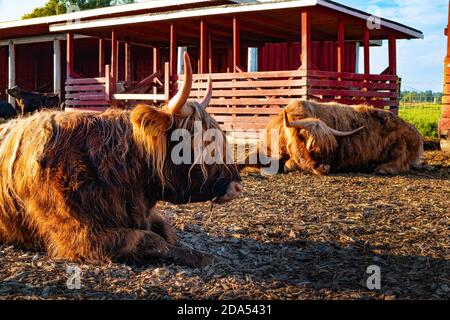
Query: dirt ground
[[293, 236]]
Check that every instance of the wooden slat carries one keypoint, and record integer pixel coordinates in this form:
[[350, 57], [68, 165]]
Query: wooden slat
[[246, 75], [86, 103], [352, 93], [133, 96], [251, 84], [85, 88], [86, 109], [254, 110], [349, 84], [251, 93], [250, 102], [87, 96], [86, 81], [351, 76]]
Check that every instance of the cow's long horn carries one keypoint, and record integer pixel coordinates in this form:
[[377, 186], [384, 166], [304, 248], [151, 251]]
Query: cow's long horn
[[177, 103], [300, 124], [207, 98], [338, 133]]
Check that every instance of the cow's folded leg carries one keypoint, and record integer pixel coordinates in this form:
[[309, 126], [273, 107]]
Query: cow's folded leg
[[160, 225], [147, 246], [291, 166]]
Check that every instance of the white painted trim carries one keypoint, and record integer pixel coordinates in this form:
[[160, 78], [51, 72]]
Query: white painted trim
[[99, 12], [39, 39], [11, 71], [190, 13], [57, 67], [228, 9]]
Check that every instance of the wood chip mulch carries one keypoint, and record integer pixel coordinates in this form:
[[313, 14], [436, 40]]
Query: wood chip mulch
[[293, 236]]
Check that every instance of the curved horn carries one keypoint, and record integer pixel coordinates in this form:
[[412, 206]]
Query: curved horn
[[177, 103], [338, 133], [207, 98], [304, 124], [300, 124]]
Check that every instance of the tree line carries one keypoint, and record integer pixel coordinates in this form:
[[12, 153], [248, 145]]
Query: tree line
[[421, 97], [55, 7]]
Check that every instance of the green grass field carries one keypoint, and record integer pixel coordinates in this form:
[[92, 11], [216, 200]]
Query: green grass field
[[424, 116]]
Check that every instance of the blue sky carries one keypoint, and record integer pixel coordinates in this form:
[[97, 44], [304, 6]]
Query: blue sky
[[420, 62]]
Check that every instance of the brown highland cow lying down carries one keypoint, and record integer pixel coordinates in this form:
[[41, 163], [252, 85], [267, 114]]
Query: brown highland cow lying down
[[84, 187], [329, 137]]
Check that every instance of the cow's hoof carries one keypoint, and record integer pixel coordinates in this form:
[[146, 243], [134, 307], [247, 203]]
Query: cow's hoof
[[190, 258]]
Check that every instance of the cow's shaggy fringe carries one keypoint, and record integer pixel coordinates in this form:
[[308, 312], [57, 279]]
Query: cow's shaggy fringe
[[387, 143], [84, 186]]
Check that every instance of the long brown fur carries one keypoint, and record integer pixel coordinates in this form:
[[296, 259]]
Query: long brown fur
[[84, 186], [386, 145]]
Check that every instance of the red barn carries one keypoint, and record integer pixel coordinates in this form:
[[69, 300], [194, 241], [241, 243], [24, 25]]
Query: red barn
[[260, 54]]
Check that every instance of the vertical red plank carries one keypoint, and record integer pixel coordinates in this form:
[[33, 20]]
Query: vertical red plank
[[173, 50], [202, 58], [278, 57], [101, 57], [114, 60], [128, 67], [341, 46], [272, 57], [210, 52], [366, 51], [306, 59], [326, 56], [285, 58], [70, 55], [236, 44], [393, 55]]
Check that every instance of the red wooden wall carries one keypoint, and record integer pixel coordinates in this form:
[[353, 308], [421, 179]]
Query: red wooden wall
[[284, 56]]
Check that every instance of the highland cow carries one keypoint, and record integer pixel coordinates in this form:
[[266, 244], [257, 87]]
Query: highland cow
[[84, 186], [7, 111], [330, 137], [29, 102]]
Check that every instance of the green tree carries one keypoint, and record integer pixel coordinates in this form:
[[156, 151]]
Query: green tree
[[54, 7]]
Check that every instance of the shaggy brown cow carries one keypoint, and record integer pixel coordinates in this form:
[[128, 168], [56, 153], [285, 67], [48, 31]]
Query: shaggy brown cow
[[330, 137], [29, 102], [84, 186]]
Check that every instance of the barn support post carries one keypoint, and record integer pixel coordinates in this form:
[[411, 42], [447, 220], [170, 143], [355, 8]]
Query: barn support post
[[57, 67], [11, 70], [70, 55], [341, 46], [202, 64], [366, 51], [101, 57], [156, 64], [392, 55], [114, 61], [210, 52], [305, 56], [236, 44], [128, 62], [173, 49], [180, 63]]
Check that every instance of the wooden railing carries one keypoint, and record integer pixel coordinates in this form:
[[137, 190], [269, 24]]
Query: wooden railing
[[248, 101], [348, 88], [245, 101], [88, 94]]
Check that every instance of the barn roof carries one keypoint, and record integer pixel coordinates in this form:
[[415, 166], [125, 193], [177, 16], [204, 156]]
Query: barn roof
[[40, 26], [277, 20]]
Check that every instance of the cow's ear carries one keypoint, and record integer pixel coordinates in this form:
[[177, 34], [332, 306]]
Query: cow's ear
[[150, 121]]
